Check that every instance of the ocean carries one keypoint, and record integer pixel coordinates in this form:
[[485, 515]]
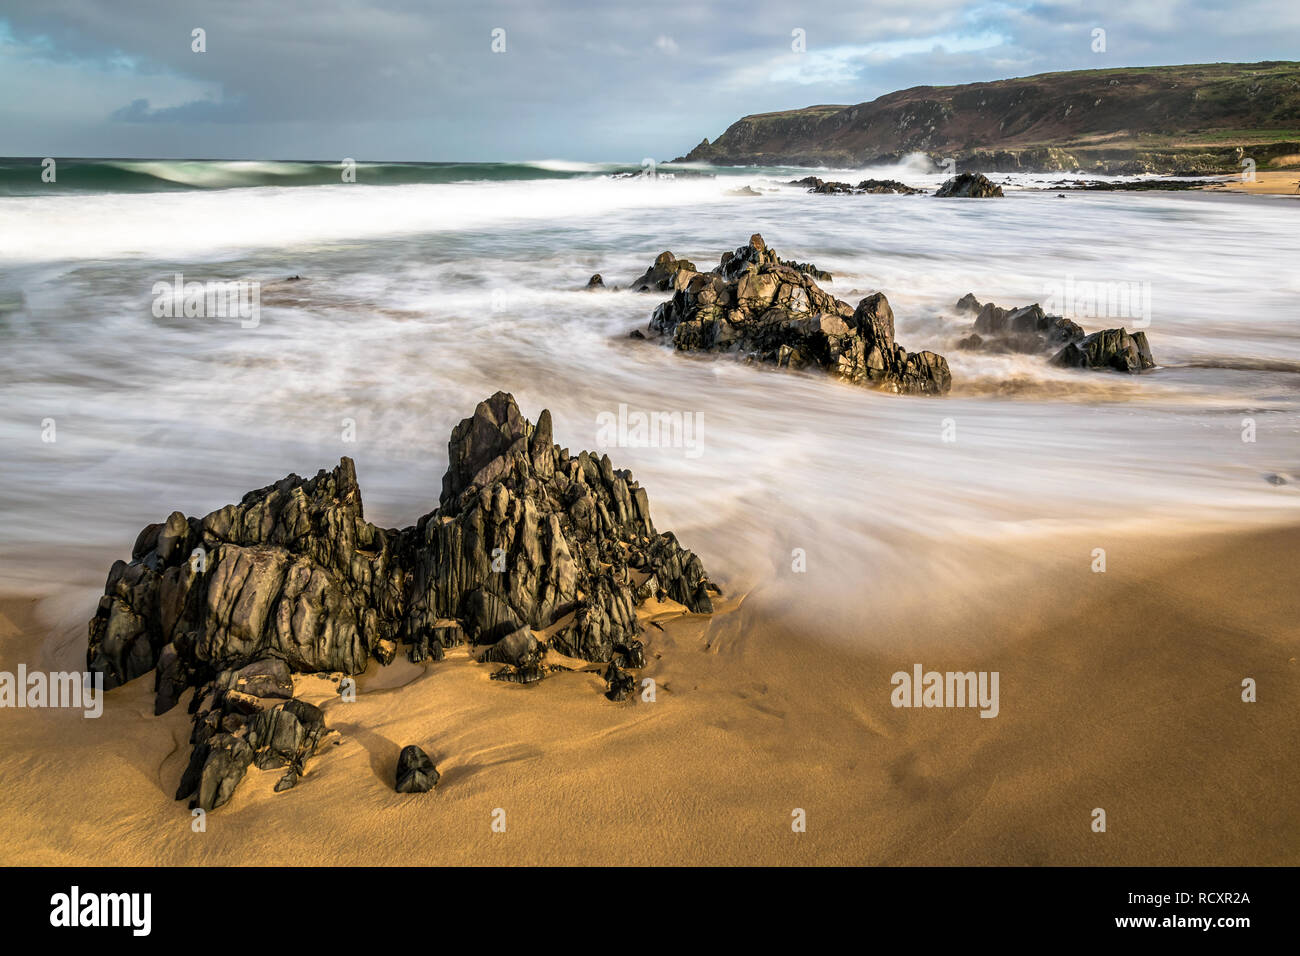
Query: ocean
[[424, 288]]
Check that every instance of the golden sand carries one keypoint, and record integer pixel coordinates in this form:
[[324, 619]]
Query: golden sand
[[1119, 690]]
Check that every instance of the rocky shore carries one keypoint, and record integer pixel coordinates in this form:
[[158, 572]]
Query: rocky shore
[[1029, 330], [768, 310], [526, 539], [969, 186], [817, 185]]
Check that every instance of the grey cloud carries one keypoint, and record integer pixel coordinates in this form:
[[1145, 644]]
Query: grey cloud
[[401, 79]]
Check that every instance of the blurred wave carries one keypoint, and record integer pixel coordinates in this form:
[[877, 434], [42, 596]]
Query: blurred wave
[[416, 301]]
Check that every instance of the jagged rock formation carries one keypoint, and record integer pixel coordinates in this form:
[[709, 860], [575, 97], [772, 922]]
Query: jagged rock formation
[[619, 683], [668, 273], [1115, 349], [969, 186], [662, 275], [888, 186], [1029, 330], [248, 716], [773, 311], [294, 579], [873, 186]]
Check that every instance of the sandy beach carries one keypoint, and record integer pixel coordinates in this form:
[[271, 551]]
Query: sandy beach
[[1277, 183], [1119, 690]]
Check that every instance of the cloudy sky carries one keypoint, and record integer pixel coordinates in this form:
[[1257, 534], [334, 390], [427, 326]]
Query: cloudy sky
[[578, 79]]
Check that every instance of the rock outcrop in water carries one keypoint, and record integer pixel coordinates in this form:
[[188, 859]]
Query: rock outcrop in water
[[1116, 349], [969, 186], [1030, 330], [1026, 330], [294, 579], [770, 310], [867, 186], [662, 275]]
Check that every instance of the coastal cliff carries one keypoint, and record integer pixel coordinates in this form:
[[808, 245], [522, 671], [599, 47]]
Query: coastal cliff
[[1190, 119]]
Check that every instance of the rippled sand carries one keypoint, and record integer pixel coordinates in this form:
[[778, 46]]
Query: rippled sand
[[1119, 690]]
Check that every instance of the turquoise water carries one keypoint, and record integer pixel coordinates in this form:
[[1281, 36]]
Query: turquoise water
[[23, 176]]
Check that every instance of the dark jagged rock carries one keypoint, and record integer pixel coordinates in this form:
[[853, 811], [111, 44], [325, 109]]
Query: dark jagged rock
[[415, 771], [294, 579], [293, 571], [488, 617], [619, 683], [222, 760], [286, 736], [1025, 330], [425, 647], [1142, 185], [248, 716], [867, 186], [662, 276], [596, 282], [629, 655], [1030, 330], [756, 304], [527, 674], [888, 186], [519, 649], [171, 679], [969, 186], [264, 678], [1115, 349], [808, 269]]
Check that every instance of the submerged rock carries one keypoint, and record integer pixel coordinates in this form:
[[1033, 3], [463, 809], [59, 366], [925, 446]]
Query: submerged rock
[[1115, 349], [888, 186], [1030, 330], [773, 311], [969, 186], [830, 189], [415, 771], [867, 186], [294, 579], [1025, 330]]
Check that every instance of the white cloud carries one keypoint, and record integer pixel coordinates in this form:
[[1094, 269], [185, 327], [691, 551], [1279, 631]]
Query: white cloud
[[843, 65]]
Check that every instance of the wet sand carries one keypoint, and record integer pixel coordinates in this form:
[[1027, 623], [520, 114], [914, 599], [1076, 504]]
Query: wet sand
[[1286, 183], [1119, 690]]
